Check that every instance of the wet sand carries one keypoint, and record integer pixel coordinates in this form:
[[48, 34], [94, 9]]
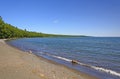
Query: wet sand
[[16, 64]]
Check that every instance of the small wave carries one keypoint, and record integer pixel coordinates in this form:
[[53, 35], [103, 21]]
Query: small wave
[[58, 57], [86, 65], [62, 58], [106, 70], [101, 69]]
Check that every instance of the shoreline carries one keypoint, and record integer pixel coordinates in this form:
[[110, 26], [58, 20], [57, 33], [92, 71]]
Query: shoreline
[[16, 63]]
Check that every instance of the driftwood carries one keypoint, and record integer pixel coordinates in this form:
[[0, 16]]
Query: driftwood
[[74, 61]]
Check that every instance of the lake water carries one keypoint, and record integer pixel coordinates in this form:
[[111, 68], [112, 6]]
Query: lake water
[[98, 56]]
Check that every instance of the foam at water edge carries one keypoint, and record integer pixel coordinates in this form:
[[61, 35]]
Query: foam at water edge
[[101, 69], [86, 65], [58, 57], [62, 58], [94, 67], [106, 70]]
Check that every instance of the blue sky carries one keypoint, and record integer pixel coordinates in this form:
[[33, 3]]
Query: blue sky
[[71, 17]]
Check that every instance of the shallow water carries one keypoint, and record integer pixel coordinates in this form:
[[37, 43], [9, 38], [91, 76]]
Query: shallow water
[[99, 56]]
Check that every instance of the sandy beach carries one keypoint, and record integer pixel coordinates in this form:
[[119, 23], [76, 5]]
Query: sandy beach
[[16, 64]]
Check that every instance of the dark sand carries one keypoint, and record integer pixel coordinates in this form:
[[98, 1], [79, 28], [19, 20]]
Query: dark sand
[[16, 64]]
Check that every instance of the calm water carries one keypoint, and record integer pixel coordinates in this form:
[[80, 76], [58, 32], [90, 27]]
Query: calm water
[[97, 56]]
